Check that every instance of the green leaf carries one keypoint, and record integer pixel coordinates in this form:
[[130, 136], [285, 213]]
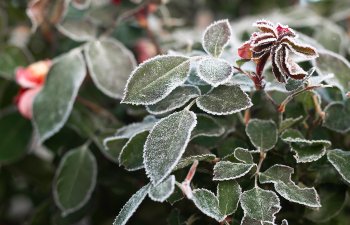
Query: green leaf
[[78, 29], [280, 176], [176, 99], [155, 79], [262, 133], [340, 160], [166, 143], [113, 147], [208, 203], [249, 221], [54, 102], [216, 37], [337, 116], [214, 71], [228, 193], [288, 123], [110, 64], [186, 161], [261, 205], [11, 57], [224, 100], [207, 126], [131, 155], [130, 207], [75, 179], [226, 170], [162, 191], [243, 155]]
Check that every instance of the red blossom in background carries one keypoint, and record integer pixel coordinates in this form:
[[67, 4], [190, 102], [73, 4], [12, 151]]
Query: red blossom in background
[[145, 49], [279, 42], [31, 79]]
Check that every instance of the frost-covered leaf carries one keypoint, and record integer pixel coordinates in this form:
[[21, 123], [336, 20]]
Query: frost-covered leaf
[[259, 204], [11, 57], [113, 147], [228, 193], [207, 126], [136, 128], [243, 155], [156, 78], [186, 161], [130, 207], [163, 190], [75, 179], [224, 100], [340, 160], [226, 170], [262, 133], [215, 71], [337, 116], [216, 37], [280, 176], [78, 30], [166, 143], [208, 203], [110, 64], [54, 102], [249, 221], [288, 123], [176, 99], [131, 155]]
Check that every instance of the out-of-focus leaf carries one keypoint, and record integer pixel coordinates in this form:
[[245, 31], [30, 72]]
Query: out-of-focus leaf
[[11, 57], [337, 116], [340, 160]]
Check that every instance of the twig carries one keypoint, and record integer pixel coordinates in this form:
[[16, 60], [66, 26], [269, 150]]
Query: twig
[[261, 160]]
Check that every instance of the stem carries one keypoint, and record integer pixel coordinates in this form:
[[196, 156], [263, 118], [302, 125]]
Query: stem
[[261, 160], [188, 107]]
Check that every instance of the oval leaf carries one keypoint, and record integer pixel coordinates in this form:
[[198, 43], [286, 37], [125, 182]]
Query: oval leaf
[[340, 160], [215, 71], [226, 170], [262, 133], [10, 58], [162, 191], [228, 193], [337, 116]]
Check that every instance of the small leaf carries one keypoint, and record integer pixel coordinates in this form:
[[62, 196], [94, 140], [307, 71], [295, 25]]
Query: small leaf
[[54, 102], [224, 100], [130, 207], [262, 133], [226, 170], [186, 161], [288, 123], [208, 203], [280, 176], [261, 205], [207, 126], [11, 57], [243, 155], [166, 143], [110, 64], [216, 37], [176, 99], [162, 191], [228, 193], [214, 71], [78, 29], [340, 160], [155, 79], [75, 179], [337, 116], [136, 128]]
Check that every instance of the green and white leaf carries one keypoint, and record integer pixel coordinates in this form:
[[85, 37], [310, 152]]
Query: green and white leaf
[[155, 79], [340, 160], [288, 123], [214, 71], [186, 161], [208, 203], [113, 147], [337, 116], [176, 99], [162, 191], [130, 130], [75, 180], [243, 155], [224, 100], [249, 221], [130, 207], [78, 30], [262, 133], [228, 193], [207, 126], [166, 144], [226, 170], [280, 176], [216, 37], [110, 64], [54, 102]]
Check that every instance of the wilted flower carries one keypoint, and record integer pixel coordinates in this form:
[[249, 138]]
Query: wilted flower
[[277, 41], [31, 79]]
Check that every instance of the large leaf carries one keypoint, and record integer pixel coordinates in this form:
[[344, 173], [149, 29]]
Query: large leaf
[[208, 203], [163, 190], [166, 143], [226, 170], [215, 71], [54, 103], [228, 193], [75, 179], [262, 133], [216, 37], [340, 160], [280, 176], [261, 205], [337, 116], [155, 78], [110, 64], [11, 57], [224, 100], [130, 207]]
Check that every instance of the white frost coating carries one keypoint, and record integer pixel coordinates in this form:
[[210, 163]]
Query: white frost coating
[[130, 130], [208, 203], [280, 176], [166, 143], [214, 71], [284, 222], [243, 155], [190, 159], [262, 133], [292, 40], [165, 83], [229, 203], [249, 221], [162, 191], [216, 37], [224, 100], [340, 160], [226, 170], [130, 207]]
